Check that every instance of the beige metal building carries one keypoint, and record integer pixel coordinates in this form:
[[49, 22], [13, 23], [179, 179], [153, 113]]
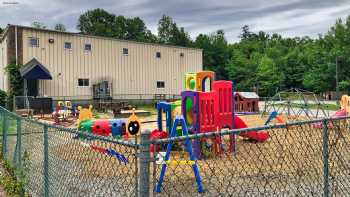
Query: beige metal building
[[77, 61]]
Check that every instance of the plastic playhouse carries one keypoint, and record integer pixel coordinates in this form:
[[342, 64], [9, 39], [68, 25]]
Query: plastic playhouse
[[207, 106]]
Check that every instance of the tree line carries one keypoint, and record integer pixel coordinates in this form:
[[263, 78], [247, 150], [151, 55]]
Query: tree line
[[259, 62]]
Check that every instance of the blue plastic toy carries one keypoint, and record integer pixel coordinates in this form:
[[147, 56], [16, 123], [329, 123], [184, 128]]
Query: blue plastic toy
[[117, 127]]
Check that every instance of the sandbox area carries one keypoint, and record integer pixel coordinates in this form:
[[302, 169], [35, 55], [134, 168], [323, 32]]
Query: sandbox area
[[288, 163]]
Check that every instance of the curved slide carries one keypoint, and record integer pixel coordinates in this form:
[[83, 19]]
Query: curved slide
[[260, 136]]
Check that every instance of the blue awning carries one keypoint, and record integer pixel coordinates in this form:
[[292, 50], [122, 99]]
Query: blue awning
[[35, 70]]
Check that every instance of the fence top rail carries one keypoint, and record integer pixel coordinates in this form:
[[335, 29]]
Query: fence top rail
[[250, 129], [70, 130]]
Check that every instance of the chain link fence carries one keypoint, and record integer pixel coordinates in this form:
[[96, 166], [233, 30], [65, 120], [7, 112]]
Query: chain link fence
[[307, 158], [300, 159], [57, 161]]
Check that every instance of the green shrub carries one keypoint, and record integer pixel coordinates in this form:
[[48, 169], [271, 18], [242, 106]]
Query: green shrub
[[16, 83], [3, 98]]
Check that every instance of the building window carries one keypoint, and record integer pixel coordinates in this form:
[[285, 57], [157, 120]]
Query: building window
[[34, 42], [83, 82], [125, 51], [68, 45], [160, 84], [158, 55], [87, 47]]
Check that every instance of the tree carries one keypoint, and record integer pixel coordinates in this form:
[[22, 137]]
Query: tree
[[170, 33], [344, 85], [246, 33], [135, 29], [60, 27], [39, 25], [98, 22], [268, 77], [165, 29], [215, 52], [3, 98], [1, 30]]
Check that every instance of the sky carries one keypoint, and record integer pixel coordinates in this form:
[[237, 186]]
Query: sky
[[289, 18]]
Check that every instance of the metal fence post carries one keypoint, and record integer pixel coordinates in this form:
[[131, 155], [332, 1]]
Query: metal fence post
[[144, 162], [19, 142], [325, 158], [46, 162], [4, 135]]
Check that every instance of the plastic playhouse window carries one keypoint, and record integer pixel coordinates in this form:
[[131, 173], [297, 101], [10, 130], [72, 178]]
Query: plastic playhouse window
[[206, 84], [191, 83], [188, 111]]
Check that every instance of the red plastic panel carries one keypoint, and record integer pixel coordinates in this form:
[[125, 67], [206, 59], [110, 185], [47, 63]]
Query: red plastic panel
[[101, 127], [208, 110], [224, 91]]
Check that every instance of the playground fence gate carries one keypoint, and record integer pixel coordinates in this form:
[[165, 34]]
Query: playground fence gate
[[308, 158]]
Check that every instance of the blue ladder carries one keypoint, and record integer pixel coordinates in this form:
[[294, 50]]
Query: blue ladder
[[179, 120]]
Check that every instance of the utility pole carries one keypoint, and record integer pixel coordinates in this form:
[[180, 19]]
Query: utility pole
[[336, 78]]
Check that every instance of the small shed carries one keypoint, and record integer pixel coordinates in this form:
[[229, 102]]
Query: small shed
[[246, 102]]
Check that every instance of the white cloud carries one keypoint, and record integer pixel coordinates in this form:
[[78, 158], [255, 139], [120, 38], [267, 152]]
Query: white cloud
[[289, 17]]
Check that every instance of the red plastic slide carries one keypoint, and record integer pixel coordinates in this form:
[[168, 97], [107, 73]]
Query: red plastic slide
[[260, 136]]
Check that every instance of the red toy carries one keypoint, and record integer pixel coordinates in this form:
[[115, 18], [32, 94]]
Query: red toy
[[156, 134], [101, 127]]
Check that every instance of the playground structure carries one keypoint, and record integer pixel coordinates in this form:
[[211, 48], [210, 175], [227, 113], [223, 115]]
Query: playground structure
[[63, 112], [116, 128], [296, 104], [207, 106]]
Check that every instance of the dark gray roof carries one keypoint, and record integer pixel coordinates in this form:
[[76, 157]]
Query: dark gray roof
[[34, 70], [248, 95]]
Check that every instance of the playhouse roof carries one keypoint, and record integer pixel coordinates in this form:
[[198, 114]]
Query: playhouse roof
[[248, 95]]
